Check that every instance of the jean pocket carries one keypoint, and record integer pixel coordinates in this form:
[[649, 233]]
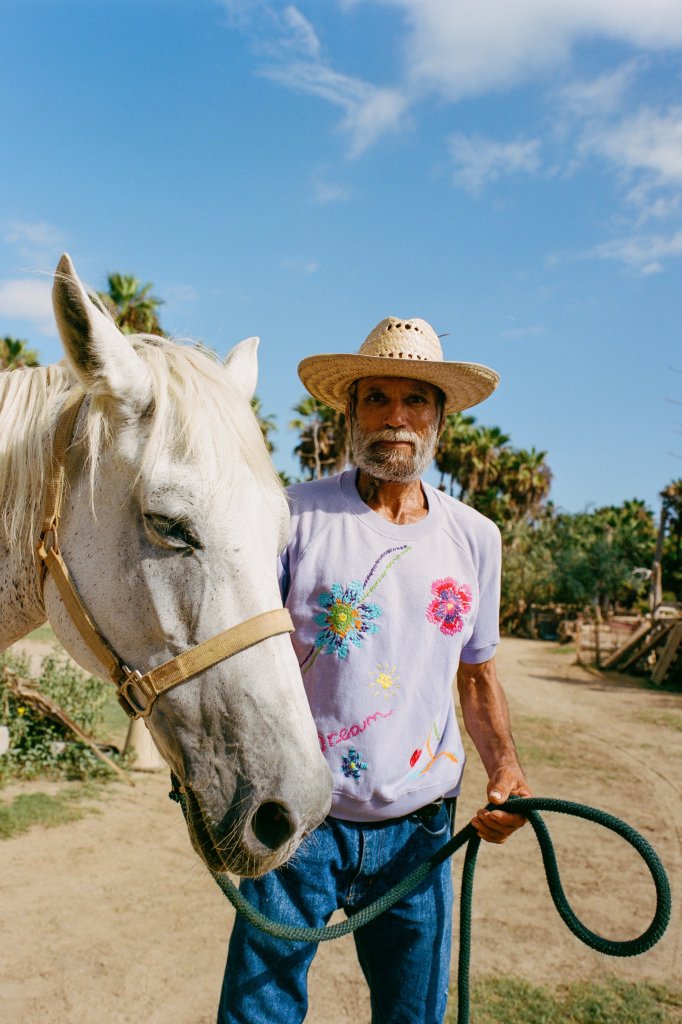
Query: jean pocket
[[436, 827]]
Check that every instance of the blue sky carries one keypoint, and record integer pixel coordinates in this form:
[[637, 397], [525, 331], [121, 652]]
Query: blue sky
[[510, 172]]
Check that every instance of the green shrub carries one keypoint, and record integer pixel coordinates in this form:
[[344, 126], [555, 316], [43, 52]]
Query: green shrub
[[39, 747]]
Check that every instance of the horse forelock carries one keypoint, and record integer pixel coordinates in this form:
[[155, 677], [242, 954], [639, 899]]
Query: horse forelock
[[197, 415]]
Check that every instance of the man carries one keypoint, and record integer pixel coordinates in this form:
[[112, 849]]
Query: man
[[394, 591]]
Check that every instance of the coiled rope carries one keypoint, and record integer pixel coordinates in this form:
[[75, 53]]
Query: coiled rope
[[529, 808]]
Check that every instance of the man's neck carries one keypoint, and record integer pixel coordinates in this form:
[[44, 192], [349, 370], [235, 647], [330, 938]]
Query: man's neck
[[400, 503]]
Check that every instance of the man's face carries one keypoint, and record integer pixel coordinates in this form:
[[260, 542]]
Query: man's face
[[394, 427]]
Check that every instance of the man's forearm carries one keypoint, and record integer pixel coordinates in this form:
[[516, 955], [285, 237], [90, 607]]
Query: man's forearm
[[486, 715], [486, 718]]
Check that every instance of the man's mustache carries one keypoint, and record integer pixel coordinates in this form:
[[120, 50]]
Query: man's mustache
[[405, 436]]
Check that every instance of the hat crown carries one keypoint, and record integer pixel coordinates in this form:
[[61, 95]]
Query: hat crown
[[403, 339]]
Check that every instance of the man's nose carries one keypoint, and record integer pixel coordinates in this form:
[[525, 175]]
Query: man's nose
[[395, 415]]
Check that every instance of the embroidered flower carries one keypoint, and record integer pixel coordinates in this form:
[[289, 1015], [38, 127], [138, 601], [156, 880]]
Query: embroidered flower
[[352, 764], [386, 682], [452, 602], [347, 619]]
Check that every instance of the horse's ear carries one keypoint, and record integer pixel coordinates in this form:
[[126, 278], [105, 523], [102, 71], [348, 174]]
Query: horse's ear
[[242, 365], [99, 354]]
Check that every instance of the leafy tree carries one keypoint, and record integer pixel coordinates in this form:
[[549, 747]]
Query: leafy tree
[[324, 440], [131, 304], [669, 543], [15, 353], [527, 570], [596, 554]]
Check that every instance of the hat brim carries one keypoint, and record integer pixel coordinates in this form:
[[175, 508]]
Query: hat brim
[[328, 377]]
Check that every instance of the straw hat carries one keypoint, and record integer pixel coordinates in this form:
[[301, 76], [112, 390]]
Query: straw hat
[[398, 348]]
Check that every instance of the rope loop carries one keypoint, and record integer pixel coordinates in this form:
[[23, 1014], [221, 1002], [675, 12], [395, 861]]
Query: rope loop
[[529, 807]]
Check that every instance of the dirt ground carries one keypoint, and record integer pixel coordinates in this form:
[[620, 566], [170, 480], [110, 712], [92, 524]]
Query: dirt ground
[[113, 918]]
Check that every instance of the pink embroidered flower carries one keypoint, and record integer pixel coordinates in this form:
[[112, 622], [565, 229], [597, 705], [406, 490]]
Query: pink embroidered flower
[[452, 602]]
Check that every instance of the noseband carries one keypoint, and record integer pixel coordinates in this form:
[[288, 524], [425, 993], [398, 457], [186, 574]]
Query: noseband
[[135, 692]]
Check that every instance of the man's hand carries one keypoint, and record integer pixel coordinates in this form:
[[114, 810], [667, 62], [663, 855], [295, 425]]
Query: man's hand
[[497, 826]]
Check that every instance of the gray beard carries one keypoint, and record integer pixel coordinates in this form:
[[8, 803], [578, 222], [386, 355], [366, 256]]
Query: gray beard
[[393, 466]]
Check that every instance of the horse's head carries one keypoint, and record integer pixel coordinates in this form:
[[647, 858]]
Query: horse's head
[[171, 528]]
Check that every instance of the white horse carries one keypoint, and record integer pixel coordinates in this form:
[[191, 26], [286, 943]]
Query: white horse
[[170, 526]]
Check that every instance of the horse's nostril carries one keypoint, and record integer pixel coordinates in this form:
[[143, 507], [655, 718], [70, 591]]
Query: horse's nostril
[[272, 825]]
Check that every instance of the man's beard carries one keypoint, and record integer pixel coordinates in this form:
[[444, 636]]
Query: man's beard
[[395, 465]]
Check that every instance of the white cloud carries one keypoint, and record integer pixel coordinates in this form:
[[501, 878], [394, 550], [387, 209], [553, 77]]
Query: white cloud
[[599, 96], [301, 35], [293, 57], [369, 111], [478, 160], [28, 299], [458, 48], [643, 253], [649, 141], [327, 191]]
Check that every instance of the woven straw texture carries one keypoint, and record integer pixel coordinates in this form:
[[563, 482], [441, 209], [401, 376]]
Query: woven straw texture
[[385, 352]]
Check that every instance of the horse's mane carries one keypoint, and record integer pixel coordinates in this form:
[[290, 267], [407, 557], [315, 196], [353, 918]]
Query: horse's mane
[[194, 409]]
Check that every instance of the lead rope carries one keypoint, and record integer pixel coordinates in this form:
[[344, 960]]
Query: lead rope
[[529, 808]]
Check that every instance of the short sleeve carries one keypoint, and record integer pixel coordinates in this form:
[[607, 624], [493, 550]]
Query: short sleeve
[[486, 633], [283, 573]]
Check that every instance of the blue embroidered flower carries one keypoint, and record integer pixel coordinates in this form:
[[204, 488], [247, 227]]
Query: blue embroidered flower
[[347, 620], [352, 764]]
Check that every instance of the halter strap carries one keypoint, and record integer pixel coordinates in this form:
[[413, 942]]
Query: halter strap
[[135, 692], [63, 436]]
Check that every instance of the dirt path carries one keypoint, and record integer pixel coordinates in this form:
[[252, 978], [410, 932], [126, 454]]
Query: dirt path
[[114, 919]]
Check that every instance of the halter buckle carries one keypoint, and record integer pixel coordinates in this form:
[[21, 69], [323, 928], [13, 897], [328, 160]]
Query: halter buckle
[[135, 694]]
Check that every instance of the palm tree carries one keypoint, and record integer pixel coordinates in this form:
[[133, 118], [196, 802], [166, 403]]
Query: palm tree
[[14, 354], [452, 451], [526, 479], [472, 456], [131, 304], [266, 423], [324, 441]]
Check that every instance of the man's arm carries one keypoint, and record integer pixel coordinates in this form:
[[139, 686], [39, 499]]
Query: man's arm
[[486, 718]]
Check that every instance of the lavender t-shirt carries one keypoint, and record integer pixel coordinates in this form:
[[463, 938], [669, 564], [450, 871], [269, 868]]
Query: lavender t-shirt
[[383, 614]]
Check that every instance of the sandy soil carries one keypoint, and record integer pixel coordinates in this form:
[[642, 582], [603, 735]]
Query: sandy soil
[[113, 918]]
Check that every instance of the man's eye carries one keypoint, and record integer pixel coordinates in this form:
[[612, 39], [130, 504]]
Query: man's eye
[[170, 533]]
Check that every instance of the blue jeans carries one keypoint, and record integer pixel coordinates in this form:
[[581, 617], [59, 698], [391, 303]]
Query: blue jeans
[[404, 953]]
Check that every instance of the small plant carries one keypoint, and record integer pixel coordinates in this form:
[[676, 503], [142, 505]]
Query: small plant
[[38, 746]]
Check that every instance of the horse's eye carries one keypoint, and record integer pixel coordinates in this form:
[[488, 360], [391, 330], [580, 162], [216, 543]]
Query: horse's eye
[[170, 533]]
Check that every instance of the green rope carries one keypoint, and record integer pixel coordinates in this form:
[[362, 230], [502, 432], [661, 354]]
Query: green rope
[[529, 808]]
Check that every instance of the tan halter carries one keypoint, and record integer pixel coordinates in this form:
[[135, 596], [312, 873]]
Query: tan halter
[[136, 693]]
